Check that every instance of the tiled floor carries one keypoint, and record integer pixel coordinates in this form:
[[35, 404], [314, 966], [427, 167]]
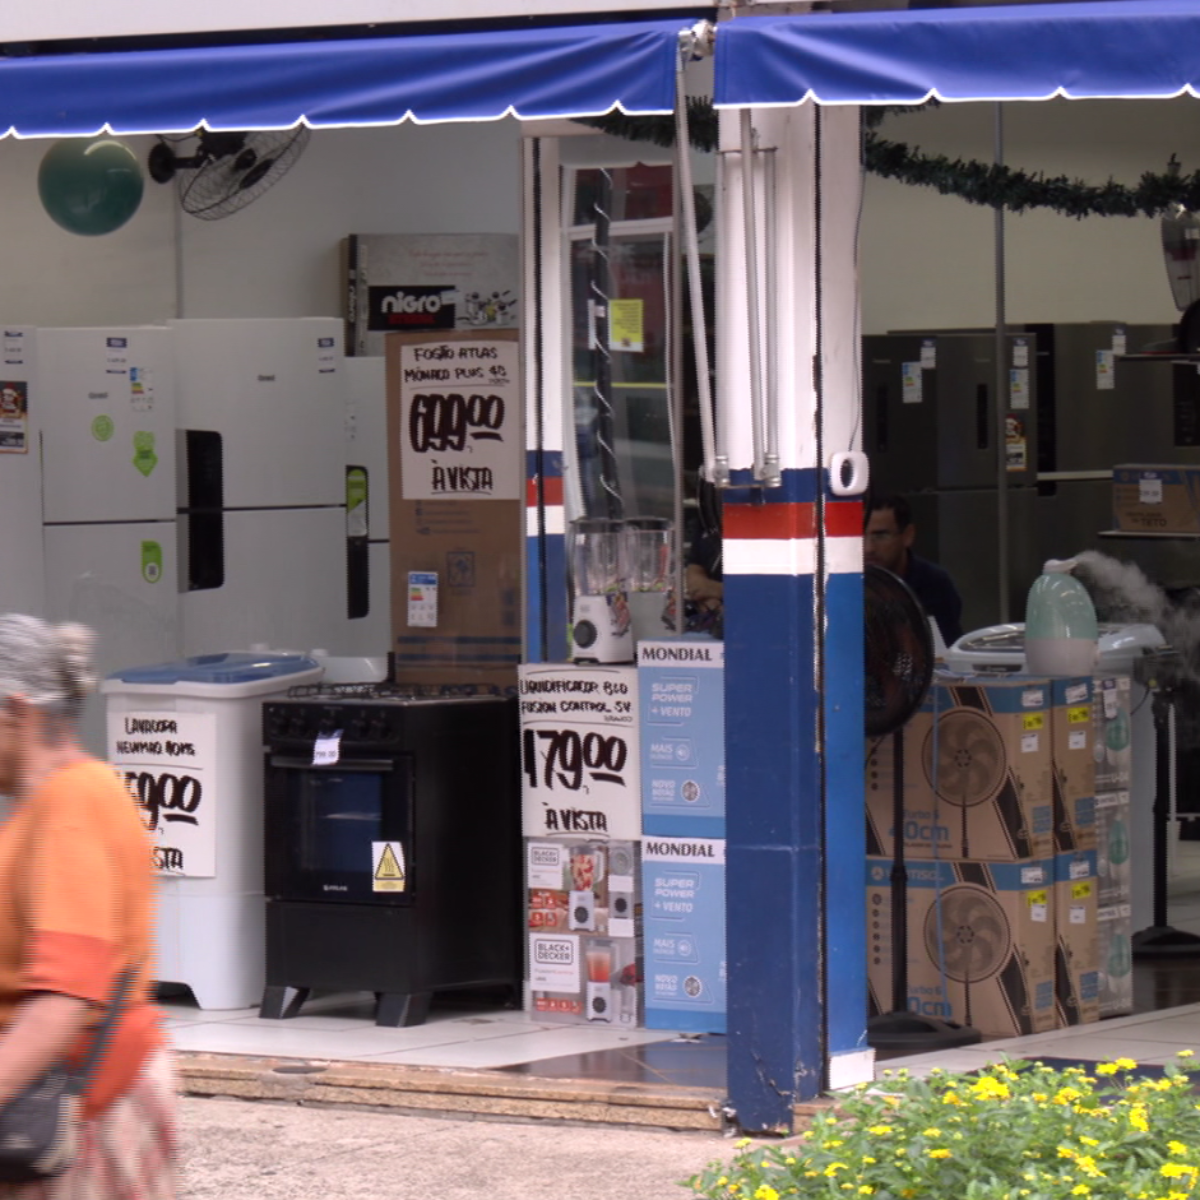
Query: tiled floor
[[467, 1034]]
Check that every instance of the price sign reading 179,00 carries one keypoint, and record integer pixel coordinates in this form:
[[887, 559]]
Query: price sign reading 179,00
[[565, 758]]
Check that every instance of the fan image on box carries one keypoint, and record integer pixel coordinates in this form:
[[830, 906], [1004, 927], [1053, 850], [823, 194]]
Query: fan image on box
[[968, 933], [970, 764], [899, 669], [226, 171]]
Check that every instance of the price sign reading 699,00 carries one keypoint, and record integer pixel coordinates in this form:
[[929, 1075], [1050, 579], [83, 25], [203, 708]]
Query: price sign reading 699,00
[[565, 758]]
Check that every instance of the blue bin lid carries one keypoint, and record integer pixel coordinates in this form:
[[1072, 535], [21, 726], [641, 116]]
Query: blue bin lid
[[218, 668]]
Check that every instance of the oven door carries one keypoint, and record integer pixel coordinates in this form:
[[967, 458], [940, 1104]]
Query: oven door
[[339, 833]]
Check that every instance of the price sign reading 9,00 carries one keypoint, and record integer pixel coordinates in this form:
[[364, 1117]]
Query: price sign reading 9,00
[[571, 760]]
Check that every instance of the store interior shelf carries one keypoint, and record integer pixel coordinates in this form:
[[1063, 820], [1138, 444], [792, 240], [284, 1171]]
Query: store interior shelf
[[1180, 360]]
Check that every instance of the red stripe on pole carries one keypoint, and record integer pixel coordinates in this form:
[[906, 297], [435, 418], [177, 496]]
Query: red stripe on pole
[[791, 521], [552, 486]]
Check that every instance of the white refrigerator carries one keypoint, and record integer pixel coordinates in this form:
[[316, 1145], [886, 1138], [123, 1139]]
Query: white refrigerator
[[261, 483], [22, 579], [369, 547], [107, 409]]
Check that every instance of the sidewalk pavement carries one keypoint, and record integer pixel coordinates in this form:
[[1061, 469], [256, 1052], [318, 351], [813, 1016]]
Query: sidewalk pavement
[[244, 1150]]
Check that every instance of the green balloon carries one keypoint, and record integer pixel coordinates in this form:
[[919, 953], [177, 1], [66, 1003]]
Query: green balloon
[[90, 187]]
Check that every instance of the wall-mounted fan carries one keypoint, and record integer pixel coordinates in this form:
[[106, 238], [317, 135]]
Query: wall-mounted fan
[[899, 669], [970, 935], [226, 171]]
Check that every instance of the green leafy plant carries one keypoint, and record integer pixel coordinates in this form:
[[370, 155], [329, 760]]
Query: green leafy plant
[[1017, 1131]]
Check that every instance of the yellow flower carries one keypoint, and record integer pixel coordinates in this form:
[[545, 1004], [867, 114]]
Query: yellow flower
[[1176, 1148], [940, 1154], [742, 1142], [868, 1159], [766, 1193], [1065, 1152], [789, 1162], [931, 1132], [952, 1098], [866, 1190], [1080, 1189], [1040, 1097], [879, 1130], [834, 1168], [1087, 1164], [1126, 1064], [1068, 1095], [723, 1181], [1087, 1141], [1186, 1054], [1137, 1118], [1106, 1069], [989, 1088], [1177, 1171]]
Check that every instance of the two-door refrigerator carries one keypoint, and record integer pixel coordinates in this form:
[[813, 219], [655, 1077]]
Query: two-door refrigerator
[[107, 410]]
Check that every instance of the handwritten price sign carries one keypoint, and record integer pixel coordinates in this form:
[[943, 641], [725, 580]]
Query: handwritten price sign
[[166, 759], [460, 430], [579, 748]]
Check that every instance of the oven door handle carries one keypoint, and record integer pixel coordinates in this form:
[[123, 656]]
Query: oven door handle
[[346, 764]]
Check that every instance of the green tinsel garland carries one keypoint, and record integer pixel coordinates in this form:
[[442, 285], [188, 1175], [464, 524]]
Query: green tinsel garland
[[977, 183]]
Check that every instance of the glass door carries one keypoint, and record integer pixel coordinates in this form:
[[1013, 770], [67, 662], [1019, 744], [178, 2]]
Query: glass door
[[341, 833]]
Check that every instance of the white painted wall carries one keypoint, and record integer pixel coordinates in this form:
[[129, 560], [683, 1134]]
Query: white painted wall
[[927, 259], [279, 257]]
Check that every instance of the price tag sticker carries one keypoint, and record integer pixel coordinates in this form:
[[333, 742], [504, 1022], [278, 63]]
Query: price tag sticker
[[1030, 743], [1081, 870], [327, 751], [1150, 491], [1078, 914], [1039, 907], [1032, 876], [1033, 721], [1077, 739]]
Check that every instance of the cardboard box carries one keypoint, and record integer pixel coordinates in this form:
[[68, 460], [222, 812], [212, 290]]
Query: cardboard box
[[992, 740], [584, 979], [456, 563], [683, 881], [414, 282], [579, 886], [1156, 499], [1114, 927], [993, 932], [1074, 779], [579, 746], [1112, 726], [1113, 852], [681, 683], [1076, 904]]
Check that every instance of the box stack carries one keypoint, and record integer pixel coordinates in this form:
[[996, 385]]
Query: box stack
[[682, 696], [1076, 885], [1112, 754], [979, 842], [582, 826]]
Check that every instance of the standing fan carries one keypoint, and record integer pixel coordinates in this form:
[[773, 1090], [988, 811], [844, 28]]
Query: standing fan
[[971, 764], [227, 171], [899, 670], [970, 935]]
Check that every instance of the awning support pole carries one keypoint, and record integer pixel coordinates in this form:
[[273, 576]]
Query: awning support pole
[[1001, 354]]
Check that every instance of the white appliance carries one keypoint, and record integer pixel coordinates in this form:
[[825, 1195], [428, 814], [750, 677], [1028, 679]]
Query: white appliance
[[1002, 647], [211, 911], [23, 580], [107, 406], [367, 450], [261, 483]]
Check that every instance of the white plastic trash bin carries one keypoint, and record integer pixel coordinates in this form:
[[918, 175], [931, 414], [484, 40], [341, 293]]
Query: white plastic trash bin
[[188, 736]]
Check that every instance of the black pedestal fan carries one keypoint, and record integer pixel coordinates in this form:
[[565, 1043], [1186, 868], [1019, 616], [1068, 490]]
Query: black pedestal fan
[[899, 670]]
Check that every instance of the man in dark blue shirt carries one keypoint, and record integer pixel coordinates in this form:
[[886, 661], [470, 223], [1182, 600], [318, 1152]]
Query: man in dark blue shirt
[[888, 542]]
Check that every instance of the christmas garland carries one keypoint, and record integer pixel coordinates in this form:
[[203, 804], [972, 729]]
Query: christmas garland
[[978, 183]]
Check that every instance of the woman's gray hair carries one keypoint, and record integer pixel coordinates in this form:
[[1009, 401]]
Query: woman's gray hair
[[47, 665]]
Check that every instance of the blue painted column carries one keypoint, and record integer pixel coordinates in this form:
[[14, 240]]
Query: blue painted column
[[796, 919]]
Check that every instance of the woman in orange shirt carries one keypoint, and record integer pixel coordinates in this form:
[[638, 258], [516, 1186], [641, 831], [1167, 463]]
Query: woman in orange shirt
[[76, 909]]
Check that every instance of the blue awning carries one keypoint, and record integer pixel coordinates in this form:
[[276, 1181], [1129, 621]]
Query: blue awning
[[1106, 48], [569, 71]]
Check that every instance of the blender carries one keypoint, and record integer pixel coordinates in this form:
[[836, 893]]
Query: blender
[[651, 570], [599, 957], [601, 630]]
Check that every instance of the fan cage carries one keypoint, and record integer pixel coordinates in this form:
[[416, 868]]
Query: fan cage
[[228, 183], [971, 937], [972, 761]]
